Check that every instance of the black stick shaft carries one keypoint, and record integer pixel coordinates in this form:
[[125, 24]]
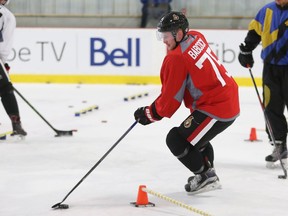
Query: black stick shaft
[[101, 159], [59, 132], [34, 109]]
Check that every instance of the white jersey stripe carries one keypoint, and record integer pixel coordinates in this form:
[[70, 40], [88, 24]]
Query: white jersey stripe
[[204, 131]]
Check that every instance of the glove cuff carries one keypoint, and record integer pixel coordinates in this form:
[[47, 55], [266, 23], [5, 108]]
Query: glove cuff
[[151, 113], [246, 52], [245, 49], [154, 112]]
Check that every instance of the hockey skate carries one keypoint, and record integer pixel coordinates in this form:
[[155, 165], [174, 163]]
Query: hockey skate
[[17, 127], [203, 182], [279, 152]]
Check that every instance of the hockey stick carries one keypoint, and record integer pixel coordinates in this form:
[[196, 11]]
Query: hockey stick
[[65, 206], [268, 126], [58, 132]]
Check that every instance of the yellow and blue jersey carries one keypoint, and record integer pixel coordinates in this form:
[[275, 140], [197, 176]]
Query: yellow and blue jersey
[[271, 24]]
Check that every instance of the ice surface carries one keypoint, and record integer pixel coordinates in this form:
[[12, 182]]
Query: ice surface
[[39, 171]]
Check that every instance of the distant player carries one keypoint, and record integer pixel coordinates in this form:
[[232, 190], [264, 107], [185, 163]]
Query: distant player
[[192, 73], [7, 26], [270, 26]]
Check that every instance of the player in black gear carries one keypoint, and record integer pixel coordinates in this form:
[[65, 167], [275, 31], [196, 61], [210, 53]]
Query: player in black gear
[[7, 26], [270, 27]]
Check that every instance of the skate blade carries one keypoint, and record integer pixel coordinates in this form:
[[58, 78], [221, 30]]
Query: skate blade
[[17, 137], [213, 186], [277, 165], [13, 139]]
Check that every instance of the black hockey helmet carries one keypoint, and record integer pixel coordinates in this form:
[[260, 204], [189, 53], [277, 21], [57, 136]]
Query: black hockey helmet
[[173, 21]]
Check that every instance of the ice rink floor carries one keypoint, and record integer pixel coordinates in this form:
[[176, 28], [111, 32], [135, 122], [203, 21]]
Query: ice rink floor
[[39, 171]]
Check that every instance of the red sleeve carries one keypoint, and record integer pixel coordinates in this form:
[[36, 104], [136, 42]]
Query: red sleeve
[[173, 76]]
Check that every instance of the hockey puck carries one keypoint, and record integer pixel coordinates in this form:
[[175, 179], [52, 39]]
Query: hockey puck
[[63, 206], [104, 121]]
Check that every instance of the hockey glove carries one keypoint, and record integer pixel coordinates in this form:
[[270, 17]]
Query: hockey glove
[[7, 67], [146, 115], [245, 56]]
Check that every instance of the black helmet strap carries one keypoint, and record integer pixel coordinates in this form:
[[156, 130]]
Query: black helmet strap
[[174, 34]]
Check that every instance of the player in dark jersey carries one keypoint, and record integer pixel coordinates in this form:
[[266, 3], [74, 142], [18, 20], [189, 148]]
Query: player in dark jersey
[[192, 73], [270, 27], [7, 26]]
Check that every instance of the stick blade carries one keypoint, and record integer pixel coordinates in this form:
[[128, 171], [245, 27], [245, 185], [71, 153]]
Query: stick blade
[[56, 205], [60, 206], [64, 133]]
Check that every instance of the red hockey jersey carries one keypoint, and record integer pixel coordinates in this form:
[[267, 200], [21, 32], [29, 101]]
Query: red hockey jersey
[[192, 73]]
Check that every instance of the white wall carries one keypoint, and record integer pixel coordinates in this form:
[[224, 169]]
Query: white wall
[[131, 52]]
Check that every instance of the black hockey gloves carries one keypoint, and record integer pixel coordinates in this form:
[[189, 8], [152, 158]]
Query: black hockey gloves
[[143, 115], [245, 56], [7, 67], [146, 115]]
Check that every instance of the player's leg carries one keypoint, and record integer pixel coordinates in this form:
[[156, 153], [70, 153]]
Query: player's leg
[[206, 180], [9, 102], [190, 144], [274, 101]]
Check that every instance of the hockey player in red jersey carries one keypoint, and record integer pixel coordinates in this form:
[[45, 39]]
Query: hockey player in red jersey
[[192, 73]]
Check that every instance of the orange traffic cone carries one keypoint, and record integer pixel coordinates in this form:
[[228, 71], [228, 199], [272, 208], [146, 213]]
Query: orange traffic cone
[[142, 198], [253, 135]]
